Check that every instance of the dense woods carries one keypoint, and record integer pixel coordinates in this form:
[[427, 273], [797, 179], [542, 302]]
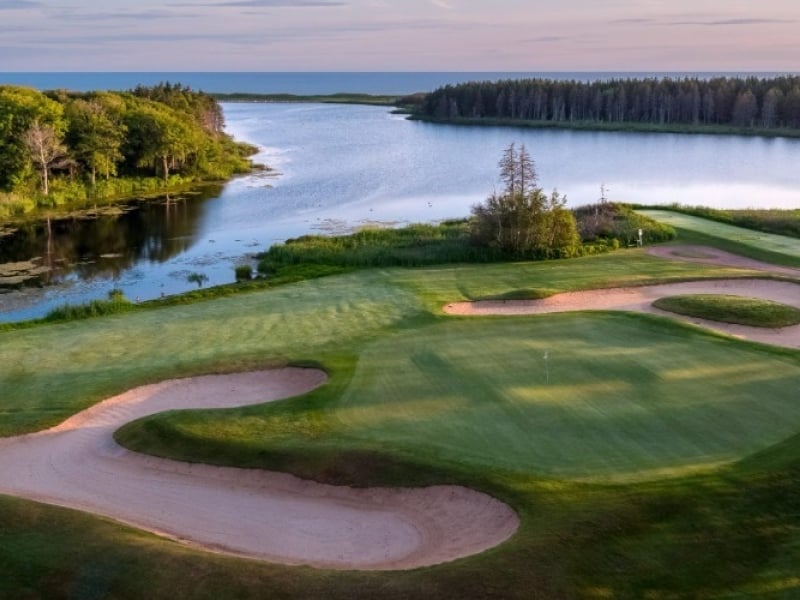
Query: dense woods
[[749, 103], [62, 148]]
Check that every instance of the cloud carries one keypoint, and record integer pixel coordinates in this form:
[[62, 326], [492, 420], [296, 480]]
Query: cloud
[[442, 4], [149, 15], [19, 4], [637, 21], [700, 23], [265, 4], [727, 22], [544, 39]]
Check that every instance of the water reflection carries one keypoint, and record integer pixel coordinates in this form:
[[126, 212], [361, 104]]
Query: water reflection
[[103, 244]]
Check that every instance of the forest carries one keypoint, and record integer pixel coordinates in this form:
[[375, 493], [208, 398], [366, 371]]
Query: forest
[[752, 103], [64, 148]]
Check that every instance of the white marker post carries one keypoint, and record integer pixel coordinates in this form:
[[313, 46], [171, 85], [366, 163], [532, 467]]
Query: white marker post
[[641, 242], [546, 368]]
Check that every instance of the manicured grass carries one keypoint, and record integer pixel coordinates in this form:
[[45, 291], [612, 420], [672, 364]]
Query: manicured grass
[[618, 396], [48, 372], [732, 309], [777, 249], [780, 221], [416, 398]]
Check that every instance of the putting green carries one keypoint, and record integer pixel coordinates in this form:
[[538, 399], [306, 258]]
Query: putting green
[[578, 396]]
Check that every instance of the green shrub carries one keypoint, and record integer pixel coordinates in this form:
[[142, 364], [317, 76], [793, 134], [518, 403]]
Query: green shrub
[[243, 272]]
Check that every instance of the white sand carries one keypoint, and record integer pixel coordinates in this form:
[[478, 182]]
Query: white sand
[[259, 514]]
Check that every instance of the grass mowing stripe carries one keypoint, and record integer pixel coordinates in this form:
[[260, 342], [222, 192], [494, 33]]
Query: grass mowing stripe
[[48, 372]]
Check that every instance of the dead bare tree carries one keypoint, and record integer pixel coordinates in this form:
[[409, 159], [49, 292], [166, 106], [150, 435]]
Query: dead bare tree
[[45, 147]]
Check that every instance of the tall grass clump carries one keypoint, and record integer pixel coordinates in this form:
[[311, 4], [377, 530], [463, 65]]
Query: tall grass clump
[[115, 304], [412, 246]]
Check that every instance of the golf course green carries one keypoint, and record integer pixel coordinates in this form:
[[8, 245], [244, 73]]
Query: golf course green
[[646, 458]]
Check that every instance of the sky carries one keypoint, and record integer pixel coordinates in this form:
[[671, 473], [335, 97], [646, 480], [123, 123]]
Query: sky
[[400, 35]]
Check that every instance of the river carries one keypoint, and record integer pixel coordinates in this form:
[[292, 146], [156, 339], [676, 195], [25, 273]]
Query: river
[[339, 167]]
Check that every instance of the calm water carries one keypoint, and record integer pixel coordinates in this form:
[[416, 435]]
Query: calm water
[[345, 166]]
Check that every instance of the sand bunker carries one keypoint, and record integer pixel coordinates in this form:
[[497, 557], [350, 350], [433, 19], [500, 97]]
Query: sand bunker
[[259, 514], [641, 298], [714, 256]]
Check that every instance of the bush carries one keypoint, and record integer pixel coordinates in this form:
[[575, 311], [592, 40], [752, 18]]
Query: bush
[[243, 272], [618, 224]]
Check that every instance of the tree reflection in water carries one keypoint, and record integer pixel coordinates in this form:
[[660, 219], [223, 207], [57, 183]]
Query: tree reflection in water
[[108, 242]]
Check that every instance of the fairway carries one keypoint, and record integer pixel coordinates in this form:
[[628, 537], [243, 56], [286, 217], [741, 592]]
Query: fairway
[[778, 244]]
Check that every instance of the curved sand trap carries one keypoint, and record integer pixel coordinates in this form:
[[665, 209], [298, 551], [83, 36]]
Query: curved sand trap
[[641, 299], [260, 514], [714, 256]]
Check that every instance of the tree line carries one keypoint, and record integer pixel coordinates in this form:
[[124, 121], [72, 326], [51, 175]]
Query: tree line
[[752, 102], [75, 144]]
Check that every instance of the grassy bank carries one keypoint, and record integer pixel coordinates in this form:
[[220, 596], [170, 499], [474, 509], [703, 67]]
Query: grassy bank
[[732, 309], [580, 445]]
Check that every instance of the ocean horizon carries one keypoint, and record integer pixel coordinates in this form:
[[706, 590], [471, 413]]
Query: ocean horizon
[[317, 83]]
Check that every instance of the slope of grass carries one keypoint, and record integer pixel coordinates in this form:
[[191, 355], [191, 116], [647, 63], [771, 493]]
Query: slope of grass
[[771, 220], [769, 247], [731, 309]]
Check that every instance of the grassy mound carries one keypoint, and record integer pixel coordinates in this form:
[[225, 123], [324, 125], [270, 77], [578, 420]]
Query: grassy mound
[[725, 308]]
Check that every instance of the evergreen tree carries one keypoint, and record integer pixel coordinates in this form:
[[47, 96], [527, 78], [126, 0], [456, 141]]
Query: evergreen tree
[[523, 221]]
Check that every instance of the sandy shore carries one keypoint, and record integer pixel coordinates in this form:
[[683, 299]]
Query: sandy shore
[[259, 514]]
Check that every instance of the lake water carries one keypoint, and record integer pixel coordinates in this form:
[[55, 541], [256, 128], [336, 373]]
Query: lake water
[[341, 167]]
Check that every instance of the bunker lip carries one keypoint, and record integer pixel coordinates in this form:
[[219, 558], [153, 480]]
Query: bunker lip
[[640, 299], [247, 512]]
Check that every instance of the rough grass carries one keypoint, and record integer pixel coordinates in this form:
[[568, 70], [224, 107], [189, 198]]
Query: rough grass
[[739, 310]]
